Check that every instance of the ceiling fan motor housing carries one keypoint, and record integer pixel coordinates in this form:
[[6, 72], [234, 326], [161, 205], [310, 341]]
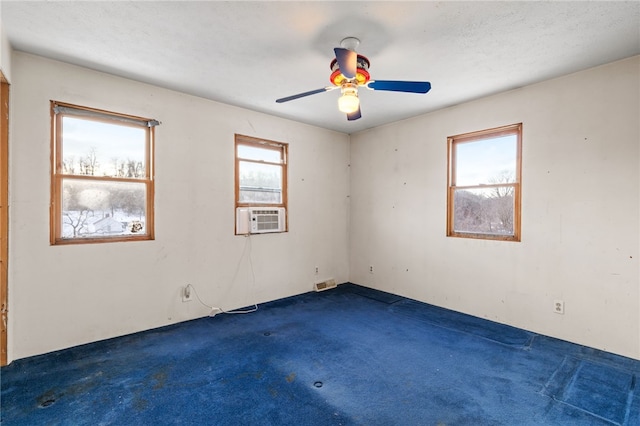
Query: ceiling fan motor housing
[[362, 72]]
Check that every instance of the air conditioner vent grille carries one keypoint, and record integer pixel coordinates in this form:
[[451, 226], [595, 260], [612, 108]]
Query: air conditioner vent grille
[[267, 220]]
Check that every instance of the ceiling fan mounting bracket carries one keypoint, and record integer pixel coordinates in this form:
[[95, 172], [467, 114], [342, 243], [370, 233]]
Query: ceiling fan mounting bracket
[[350, 43]]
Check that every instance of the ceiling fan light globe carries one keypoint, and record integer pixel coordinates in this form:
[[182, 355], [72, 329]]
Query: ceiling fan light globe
[[348, 103]]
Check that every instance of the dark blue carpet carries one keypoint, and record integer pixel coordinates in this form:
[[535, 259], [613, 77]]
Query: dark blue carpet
[[347, 356]]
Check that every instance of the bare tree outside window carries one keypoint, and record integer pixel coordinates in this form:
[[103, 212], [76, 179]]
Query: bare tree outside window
[[89, 163]]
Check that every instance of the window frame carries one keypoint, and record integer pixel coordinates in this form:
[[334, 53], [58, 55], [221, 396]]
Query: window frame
[[58, 176], [283, 149], [452, 141]]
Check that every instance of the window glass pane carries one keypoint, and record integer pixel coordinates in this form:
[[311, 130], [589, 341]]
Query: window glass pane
[[260, 183], [486, 161], [484, 210], [259, 154], [97, 148], [102, 209]]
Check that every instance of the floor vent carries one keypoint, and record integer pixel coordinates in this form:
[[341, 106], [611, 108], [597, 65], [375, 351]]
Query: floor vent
[[325, 285]]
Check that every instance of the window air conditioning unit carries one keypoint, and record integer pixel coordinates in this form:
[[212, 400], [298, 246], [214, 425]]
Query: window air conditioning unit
[[260, 220]]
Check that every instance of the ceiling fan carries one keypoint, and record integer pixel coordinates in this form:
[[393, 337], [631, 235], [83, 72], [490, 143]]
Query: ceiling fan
[[349, 71]]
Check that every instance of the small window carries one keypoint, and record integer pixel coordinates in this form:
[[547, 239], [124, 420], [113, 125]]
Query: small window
[[261, 174], [102, 176], [483, 198]]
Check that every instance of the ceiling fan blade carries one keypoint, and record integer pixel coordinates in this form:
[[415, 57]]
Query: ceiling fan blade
[[347, 61], [354, 115], [302, 95], [400, 86]]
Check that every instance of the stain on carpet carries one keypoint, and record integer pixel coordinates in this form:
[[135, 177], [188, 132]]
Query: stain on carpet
[[47, 399], [160, 379]]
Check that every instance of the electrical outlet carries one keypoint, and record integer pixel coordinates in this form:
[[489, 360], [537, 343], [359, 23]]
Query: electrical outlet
[[317, 270], [558, 306], [371, 269], [187, 293]]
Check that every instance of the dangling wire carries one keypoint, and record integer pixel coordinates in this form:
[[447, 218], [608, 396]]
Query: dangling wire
[[253, 278], [216, 310]]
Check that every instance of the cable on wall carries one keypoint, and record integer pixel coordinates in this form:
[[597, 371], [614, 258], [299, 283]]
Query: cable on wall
[[215, 310]]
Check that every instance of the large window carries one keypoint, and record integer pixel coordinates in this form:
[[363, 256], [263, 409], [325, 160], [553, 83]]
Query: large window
[[102, 176], [261, 174], [484, 184]]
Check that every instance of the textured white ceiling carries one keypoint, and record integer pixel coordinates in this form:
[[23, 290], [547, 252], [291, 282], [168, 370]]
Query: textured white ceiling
[[249, 54]]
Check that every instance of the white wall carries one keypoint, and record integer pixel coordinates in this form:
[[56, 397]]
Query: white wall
[[5, 52], [68, 295], [580, 204]]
